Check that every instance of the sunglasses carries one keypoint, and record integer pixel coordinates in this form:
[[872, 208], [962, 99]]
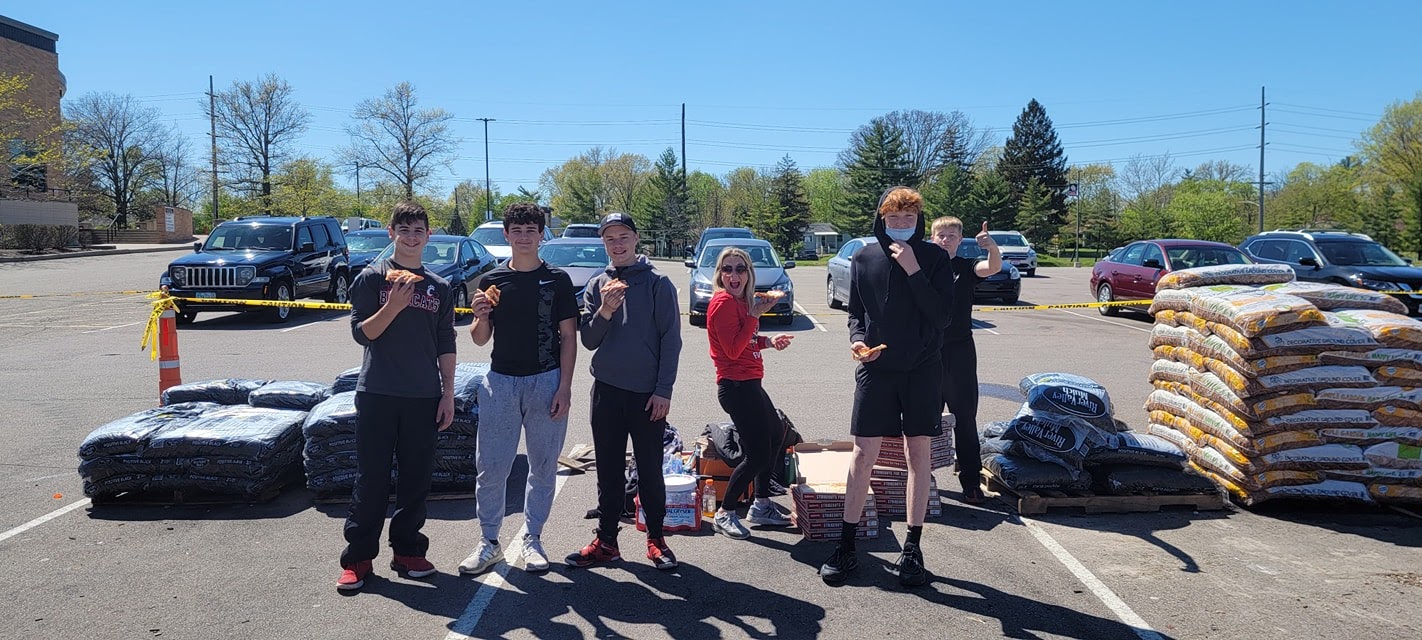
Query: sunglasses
[[740, 268]]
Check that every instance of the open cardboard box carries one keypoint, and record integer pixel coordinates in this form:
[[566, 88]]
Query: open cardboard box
[[824, 464]]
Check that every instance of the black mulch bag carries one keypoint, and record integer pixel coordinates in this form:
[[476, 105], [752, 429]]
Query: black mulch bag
[[230, 391], [116, 484], [465, 423], [332, 480], [1129, 478], [451, 439], [342, 444], [235, 431], [129, 434], [1139, 449], [1056, 438], [467, 378], [1022, 473], [334, 417], [458, 460], [1087, 402], [290, 394], [347, 381], [1027, 383]]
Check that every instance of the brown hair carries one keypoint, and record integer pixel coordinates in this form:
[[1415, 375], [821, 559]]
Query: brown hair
[[946, 221], [523, 213], [902, 199], [408, 212], [748, 294]]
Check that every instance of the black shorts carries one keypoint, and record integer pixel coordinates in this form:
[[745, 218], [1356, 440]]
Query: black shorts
[[897, 403]]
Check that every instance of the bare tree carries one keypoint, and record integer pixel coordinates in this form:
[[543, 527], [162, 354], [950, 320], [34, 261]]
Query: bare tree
[[257, 125], [174, 174], [120, 141], [623, 174], [1222, 170], [393, 135], [935, 140]]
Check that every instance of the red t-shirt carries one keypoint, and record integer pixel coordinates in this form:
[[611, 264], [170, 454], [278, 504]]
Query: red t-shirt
[[731, 330]]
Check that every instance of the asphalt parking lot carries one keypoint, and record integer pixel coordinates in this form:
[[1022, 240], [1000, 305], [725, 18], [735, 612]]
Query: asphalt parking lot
[[72, 362]]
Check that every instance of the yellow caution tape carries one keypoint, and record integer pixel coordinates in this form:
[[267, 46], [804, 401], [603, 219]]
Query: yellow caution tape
[[294, 304], [1074, 305], [30, 296], [161, 302]]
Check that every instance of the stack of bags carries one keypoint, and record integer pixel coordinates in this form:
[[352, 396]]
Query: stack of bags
[[330, 453], [109, 461], [889, 478], [819, 510], [1274, 388], [1065, 438]]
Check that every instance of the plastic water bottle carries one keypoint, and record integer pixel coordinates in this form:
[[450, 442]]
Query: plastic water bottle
[[708, 499]]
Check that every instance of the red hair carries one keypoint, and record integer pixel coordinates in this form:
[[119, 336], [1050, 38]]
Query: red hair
[[902, 199]]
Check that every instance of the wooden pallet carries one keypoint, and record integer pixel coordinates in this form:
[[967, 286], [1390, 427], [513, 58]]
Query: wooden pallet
[[1030, 502], [344, 497], [186, 497]]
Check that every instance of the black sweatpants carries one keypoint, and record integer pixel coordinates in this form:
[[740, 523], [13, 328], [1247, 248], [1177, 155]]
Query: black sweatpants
[[760, 433], [960, 394], [618, 414], [403, 429]]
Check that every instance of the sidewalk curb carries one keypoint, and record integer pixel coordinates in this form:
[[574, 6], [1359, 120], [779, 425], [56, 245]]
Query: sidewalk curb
[[103, 252]]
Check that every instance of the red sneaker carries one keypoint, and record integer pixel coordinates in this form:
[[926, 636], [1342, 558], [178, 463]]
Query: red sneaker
[[353, 577], [595, 552], [660, 555], [412, 566]]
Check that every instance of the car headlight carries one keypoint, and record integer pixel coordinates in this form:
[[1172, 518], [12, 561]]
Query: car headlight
[[179, 275], [785, 286], [1013, 273], [1378, 285], [701, 286], [245, 275], [1031, 254]]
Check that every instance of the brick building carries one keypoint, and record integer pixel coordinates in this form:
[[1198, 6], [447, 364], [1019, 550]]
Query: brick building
[[28, 193]]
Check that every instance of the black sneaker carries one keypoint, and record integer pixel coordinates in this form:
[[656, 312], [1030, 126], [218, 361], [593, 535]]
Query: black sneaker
[[840, 564], [910, 566]]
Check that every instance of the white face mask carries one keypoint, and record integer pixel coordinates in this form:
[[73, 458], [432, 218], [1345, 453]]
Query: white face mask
[[902, 235]]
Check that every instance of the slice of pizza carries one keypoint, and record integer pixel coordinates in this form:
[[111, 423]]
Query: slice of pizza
[[492, 293], [864, 352], [401, 276]]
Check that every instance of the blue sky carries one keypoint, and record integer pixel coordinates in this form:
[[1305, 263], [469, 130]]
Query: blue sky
[[762, 79]]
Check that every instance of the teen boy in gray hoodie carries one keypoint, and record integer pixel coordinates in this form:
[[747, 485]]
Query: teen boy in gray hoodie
[[631, 318]]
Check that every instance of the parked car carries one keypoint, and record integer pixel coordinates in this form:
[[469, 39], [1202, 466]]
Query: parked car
[[364, 246], [354, 224], [807, 253], [491, 236], [1351, 259], [458, 259], [262, 258], [837, 284], [580, 230], [1132, 272], [717, 233], [1016, 250], [769, 274], [1005, 285], [581, 258]]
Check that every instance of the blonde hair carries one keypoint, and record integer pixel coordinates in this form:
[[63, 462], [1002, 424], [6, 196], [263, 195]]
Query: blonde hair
[[946, 221], [748, 294]]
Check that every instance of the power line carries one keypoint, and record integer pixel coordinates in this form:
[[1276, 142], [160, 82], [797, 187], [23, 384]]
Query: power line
[[1322, 115], [1357, 113]]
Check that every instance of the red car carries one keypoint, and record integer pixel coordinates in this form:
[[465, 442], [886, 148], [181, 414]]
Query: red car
[[1130, 273]]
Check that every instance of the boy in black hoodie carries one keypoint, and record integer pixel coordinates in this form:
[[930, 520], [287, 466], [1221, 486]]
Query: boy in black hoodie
[[900, 298]]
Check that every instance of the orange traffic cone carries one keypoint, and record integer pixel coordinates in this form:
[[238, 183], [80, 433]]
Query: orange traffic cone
[[170, 374]]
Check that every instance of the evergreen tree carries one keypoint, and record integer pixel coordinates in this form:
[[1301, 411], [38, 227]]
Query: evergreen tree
[[1033, 152], [787, 190], [949, 193], [875, 160], [1034, 213], [991, 199], [666, 206]]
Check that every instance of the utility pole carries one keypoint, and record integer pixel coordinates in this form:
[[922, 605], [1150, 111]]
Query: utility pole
[[212, 118], [488, 189], [360, 206], [1262, 104], [1074, 190]]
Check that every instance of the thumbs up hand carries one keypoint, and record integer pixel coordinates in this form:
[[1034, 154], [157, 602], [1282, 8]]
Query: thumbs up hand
[[984, 239]]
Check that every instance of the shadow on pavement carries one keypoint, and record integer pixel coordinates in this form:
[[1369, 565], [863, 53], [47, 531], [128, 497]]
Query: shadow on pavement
[[1377, 523], [1021, 617], [458, 509], [1144, 526]]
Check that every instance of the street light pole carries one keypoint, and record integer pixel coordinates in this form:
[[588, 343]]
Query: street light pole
[[1074, 190], [488, 189]]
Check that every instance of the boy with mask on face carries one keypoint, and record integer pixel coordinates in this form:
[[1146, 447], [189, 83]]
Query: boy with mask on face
[[900, 297]]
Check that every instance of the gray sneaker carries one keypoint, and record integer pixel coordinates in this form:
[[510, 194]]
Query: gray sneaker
[[484, 557], [727, 522], [534, 559], [767, 515]]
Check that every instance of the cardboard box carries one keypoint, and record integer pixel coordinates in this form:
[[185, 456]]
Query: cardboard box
[[707, 464], [893, 451], [819, 493]]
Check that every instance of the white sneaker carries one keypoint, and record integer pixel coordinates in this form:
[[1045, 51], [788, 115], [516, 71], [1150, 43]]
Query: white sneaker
[[728, 523], [484, 557], [767, 515], [534, 559]]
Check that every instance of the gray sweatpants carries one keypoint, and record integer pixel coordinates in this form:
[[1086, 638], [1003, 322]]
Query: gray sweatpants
[[508, 404]]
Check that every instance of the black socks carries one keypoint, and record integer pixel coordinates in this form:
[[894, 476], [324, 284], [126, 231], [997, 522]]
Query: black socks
[[847, 532], [914, 533]]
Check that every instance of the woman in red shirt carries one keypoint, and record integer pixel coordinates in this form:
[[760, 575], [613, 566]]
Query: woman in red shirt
[[732, 323]]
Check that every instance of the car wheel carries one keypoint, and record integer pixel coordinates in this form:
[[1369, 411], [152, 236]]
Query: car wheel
[[829, 295], [1010, 300], [1104, 294], [282, 293], [787, 319], [696, 320], [186, 317], [461, 301], [340, 289], [1032, 273]]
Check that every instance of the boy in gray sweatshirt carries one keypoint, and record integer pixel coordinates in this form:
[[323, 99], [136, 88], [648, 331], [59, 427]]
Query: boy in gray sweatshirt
[[631, 319]]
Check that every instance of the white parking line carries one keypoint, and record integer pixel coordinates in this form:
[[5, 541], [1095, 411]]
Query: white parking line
[[120, 326], [1104, 320], [43, 519], [1098, 588], [813, 321], [464, 626]]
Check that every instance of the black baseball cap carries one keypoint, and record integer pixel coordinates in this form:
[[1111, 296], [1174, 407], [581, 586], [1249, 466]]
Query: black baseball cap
[[615, 219]]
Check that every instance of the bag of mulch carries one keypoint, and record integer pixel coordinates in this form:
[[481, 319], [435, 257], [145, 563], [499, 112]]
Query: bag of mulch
[[1026, 384], [464, 423], [1167, 317], [1170, 300], [1394, 455], [332, 481], [1192, 321], [335, 416], [1138, 449], [1240, 274], [1398, 376], [1311, 379], [1385, 492], [1310, 340], [1020, 473], [1120, 479], [116, 484], [1411, 358], [294, 395], [237, 431], [1315, 419], [1397, 416], [1163, 334], [1087, 401], [1329, 297], [1328, 456], [1389, 329], [346, 381], [1211, 386], [1253, 312], [1412, 477], [344, 444], [467, 378], [1172, 435], [230, 391], [129, 434], [1368, 398], [1170, 370], [460, 460], [1376, 435], [1055, 438], [1326, 490]]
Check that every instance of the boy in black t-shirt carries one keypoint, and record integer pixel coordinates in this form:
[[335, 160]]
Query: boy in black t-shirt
[[532, 316], [403, 315]]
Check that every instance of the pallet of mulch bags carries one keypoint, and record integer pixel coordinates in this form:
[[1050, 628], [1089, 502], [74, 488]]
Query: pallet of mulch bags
[[196, 496], [1035, 502]]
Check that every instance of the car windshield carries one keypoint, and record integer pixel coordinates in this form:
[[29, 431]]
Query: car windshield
[[580, 232], [969, 249], [490, 236], [574, 255], [437, 253], [1009, 239], [1191, 257], [249, 237], [367, 243], [761, 256], [1359, 254]]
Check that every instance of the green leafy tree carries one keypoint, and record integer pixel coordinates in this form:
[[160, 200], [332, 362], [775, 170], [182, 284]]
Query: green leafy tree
[[825, 189], [1034, 214], [305, 187], [1314, 196], [787, 190], [1210, 210], [748, 198], [708, 195], [1393, 150], [666, 208], [876, 159], [949, 193], [1095, 203], [991, 200], [1033, 152]]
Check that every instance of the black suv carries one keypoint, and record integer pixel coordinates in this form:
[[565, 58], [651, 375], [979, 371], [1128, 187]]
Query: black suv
[[1351, 259], [262, 258]]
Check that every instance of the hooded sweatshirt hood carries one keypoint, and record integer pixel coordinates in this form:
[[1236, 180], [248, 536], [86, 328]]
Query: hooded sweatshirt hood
[[881, 229]]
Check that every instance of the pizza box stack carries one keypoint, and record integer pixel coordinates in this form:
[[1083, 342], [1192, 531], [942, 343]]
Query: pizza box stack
[[893, 452], [891, 492], [819, 492]]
